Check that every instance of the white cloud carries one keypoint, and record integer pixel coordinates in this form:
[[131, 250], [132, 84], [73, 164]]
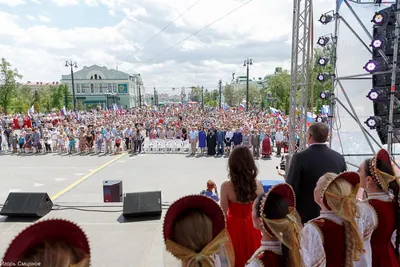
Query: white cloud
[[261, 30], [93, 3], [12, 3], [66, 2], [44, 18], [30, 17], [36, 2]]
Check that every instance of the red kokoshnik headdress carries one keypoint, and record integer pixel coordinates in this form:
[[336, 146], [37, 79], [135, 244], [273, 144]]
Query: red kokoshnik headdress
[[381, 178]]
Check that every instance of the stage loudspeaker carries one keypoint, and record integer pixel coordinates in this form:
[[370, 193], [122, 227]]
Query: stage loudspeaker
[[27, 205], [112, 191], [142, 204]]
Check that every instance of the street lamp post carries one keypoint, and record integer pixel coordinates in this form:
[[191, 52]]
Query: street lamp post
[[247, 64], [202, 98], [72, 65], [140, 91], [220, 94]]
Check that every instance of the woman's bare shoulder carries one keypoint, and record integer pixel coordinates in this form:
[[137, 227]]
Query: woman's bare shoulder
[[227, 183]]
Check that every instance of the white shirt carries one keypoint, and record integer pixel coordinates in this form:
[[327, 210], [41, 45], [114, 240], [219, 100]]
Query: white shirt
[[279, 136]]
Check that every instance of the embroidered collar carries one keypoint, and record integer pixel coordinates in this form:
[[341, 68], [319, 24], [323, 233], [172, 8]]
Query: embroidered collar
[[330, 215], [383, 196]]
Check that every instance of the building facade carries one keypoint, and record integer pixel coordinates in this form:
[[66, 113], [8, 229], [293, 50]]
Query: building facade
[[97, 85]]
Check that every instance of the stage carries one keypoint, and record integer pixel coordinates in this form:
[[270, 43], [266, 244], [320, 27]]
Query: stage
[[75, 184]]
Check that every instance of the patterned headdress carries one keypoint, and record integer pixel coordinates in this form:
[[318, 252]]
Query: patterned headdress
[[220, 234], [287, 229], [47, 230], [381, 178]]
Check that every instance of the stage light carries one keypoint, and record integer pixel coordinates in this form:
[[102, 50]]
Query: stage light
[[378, 43], [323, 40], [323, 61], [373, 122], [375, 94], [325, 19], [322, 77], [371, 66], [380, 18], [319, 119], [325, 95]]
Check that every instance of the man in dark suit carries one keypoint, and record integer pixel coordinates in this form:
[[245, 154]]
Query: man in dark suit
[[308, 166], [220, 141]]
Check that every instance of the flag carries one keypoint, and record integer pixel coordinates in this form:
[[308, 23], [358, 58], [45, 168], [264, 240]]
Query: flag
[[275, 112], [310, 118], [115, 107], [339, 3], [225, 107], [63, 111], [242, 107], [325, 110], [31, 110], [281, 119]]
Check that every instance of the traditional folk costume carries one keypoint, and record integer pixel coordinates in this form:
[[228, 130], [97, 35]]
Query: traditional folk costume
[[287, 230], [46, 231], [384, 206], [266, 150], [323, 238], [218, 253]]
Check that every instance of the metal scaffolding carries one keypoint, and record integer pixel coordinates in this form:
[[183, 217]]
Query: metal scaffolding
[[300, 72], [301, 63]]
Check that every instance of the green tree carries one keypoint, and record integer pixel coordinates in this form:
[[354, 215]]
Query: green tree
[[57, 96], [67, 97], [229, 94], [279, 87], [195, 94], [8, 84]]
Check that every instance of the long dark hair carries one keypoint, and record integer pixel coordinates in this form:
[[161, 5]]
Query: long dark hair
[[243, 171], [276, 207], [394, 187]]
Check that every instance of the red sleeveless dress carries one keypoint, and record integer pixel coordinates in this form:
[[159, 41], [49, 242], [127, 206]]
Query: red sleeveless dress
[[383, 252], [245, 238], [333, 236]]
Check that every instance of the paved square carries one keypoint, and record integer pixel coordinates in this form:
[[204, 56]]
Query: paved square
[[113, 241]]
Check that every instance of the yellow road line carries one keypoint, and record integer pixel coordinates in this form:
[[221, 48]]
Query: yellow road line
[[74, 184]]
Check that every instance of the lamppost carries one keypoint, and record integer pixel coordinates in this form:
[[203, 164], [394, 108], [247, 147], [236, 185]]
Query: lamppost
[[247, 64], [140, 91], [220, 94], [202, 98], [72, 65]]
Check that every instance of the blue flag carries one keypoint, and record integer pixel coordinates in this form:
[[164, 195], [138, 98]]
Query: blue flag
[[339, 3]]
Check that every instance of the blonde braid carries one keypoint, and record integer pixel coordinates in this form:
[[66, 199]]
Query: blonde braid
[[349, 245]]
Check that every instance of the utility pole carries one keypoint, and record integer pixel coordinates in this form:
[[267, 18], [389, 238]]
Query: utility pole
[[202, 98], [140, 97], [220, 94]]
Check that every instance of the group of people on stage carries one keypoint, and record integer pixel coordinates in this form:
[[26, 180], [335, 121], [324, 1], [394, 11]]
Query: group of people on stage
[[209, 131], [353, 220]]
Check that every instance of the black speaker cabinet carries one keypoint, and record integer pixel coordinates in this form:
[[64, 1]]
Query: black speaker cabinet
[[142, 204], [112, 191], [20, 204]]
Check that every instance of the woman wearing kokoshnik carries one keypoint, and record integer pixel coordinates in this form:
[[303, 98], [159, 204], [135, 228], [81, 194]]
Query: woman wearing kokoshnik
[[275, 215], [335, 237], [382, 187], [195, 233]]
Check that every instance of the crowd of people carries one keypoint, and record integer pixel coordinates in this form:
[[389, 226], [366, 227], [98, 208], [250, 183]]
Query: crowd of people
[[210, 131]]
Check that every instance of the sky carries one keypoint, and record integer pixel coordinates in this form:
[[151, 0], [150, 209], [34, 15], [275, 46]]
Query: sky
[[37, 36]]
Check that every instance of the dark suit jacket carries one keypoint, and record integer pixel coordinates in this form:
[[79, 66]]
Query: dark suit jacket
[[305, 169]]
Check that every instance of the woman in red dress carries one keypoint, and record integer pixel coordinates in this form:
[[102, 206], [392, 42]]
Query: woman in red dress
[[382, 188], [266, 147], [236, 199], [274, 214], [333, 238]]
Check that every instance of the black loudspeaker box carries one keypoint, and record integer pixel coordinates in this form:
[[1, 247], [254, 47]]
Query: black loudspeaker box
[[112, 191], [142, 204], [20, 204]]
